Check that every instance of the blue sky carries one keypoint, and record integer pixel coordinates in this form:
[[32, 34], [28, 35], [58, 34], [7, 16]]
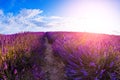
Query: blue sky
[[14, 6], [97, 16]]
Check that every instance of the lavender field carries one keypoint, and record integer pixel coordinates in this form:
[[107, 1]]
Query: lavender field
[[59, 56]]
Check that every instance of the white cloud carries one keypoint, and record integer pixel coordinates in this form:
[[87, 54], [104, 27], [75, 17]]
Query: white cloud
[[29, 13], [1, 12], [26, 20], [32, 20]]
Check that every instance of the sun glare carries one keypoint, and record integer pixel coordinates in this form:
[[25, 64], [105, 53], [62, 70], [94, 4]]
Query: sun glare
[[98, 17]]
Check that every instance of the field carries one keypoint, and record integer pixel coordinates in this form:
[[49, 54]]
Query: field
[[59, 56]]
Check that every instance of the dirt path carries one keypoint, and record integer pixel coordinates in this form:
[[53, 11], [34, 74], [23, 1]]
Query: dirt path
[[53, 66]]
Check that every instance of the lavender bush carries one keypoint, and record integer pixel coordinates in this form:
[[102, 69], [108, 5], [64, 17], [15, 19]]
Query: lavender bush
[[20, 56], [88, 56]]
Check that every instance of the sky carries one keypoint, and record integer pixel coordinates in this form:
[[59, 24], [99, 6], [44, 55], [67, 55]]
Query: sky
[[96, 16]]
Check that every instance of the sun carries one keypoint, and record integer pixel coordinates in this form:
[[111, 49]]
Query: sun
[[96, 17]]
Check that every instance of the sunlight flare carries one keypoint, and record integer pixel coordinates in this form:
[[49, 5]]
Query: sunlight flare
[[92, 16]]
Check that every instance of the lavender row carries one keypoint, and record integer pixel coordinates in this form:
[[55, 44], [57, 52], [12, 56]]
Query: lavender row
[[20, 56], [88, 56]]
